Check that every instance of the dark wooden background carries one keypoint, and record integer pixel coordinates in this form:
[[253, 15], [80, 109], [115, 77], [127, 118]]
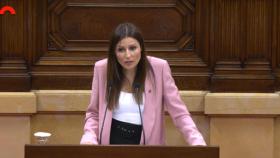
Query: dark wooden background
[[215, 45]]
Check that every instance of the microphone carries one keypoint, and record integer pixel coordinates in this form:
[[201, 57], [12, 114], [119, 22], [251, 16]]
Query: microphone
[[136, 87], [101, 131]]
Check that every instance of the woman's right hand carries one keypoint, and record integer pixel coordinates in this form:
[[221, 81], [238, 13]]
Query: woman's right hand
[[87, 143]]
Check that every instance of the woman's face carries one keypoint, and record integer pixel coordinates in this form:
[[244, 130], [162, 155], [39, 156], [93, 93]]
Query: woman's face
[[128, 52]]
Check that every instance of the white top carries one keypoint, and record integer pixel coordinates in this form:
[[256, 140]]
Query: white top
[[128, 110]]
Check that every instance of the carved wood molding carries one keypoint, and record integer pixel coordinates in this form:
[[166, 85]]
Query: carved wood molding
[[218, 45], [251, 76], [241, 49], [14, 75], [84, 26]]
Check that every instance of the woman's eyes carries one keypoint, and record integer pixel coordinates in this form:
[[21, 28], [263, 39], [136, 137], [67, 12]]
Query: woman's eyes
[[120, 49], [131, 48]]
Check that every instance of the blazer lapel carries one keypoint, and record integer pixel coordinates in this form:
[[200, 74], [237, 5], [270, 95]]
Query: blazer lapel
[[148, 113]]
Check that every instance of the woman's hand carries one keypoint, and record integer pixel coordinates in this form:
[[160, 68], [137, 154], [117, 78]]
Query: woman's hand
[[88, 143]]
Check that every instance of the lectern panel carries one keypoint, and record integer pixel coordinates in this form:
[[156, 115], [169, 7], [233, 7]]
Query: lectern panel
[[124, 151]]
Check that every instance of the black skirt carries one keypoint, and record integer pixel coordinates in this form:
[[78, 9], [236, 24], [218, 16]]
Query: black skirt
[[125, 133]]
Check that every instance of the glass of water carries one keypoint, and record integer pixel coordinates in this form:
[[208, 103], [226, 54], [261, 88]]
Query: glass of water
[[42, 137]]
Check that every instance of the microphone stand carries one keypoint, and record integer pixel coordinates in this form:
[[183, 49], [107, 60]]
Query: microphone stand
[[136, 86], [101, 131]]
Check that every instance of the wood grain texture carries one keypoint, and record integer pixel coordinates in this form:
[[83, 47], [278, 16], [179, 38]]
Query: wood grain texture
[[14, 72], [241, 47], [89, 151], [216, 45]]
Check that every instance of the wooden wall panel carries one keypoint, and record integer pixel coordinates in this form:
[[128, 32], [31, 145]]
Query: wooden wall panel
[[277, 32], [226, 27], [73, 26], [12, 27], [14, 74], [241, 46], [76, 41], [276, 42], [216, 45], [259, 22], [1, 17], [84, 26], [202, 27]]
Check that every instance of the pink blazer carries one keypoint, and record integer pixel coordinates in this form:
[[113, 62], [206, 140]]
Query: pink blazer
[[160, 94]]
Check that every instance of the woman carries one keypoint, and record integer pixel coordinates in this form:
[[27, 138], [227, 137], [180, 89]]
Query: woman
[[129, 82]]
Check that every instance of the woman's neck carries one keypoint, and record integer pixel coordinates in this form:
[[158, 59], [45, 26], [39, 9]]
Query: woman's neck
[[130, 75], [128, 81]]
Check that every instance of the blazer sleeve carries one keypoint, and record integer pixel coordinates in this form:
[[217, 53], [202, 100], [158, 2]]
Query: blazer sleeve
[[178, 110], [91, 121]]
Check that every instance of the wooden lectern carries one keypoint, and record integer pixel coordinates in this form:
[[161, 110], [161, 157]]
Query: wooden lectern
[[119, 151]]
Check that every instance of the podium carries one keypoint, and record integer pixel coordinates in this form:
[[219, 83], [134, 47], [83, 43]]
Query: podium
[[119, 151]]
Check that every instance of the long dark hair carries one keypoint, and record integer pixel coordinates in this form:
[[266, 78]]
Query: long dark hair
[[115, 74]]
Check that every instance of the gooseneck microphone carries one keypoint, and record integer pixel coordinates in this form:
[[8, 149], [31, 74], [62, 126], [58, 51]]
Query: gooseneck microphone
[[136, 87], [101, 131]]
